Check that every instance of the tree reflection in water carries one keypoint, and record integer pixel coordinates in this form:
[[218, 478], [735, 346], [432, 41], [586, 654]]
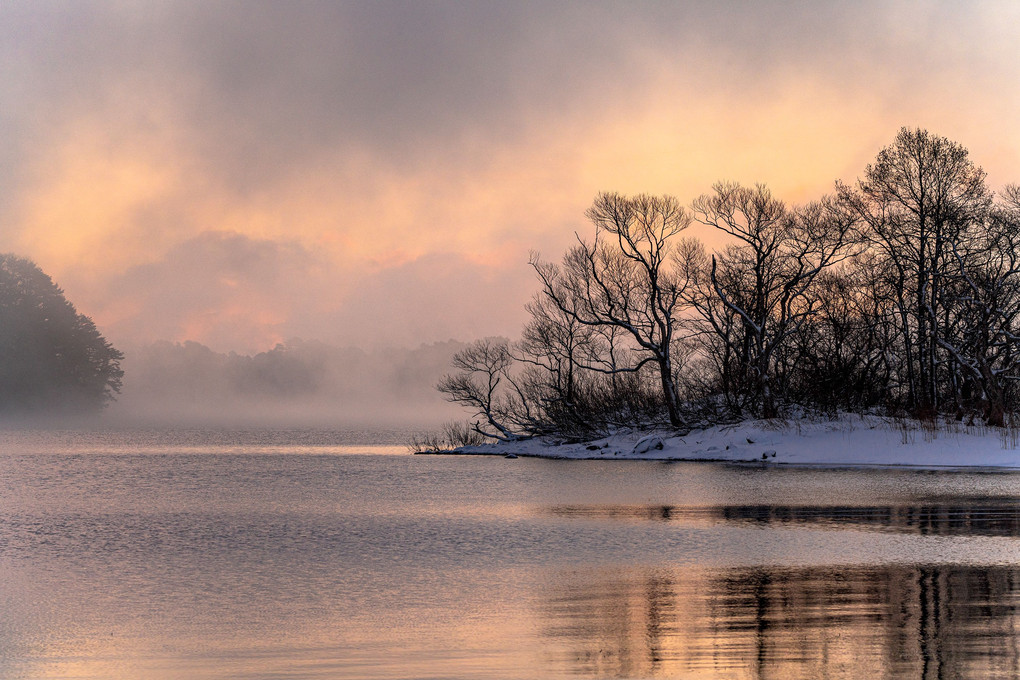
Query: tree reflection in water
[[958, 516], [927, 622], [916, 620]]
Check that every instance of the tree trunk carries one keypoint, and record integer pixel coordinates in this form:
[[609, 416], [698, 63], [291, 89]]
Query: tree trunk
[[768, 400], [995, 412], [669, 392]]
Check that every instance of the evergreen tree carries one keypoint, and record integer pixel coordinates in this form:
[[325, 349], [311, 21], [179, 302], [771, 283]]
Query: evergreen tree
[[51, 357]]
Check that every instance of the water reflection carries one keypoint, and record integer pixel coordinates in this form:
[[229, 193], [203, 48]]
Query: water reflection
[[213, 566], [958, 517], [925, 622]]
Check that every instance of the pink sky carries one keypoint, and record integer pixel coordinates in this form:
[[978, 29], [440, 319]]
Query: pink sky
[[376, 173]]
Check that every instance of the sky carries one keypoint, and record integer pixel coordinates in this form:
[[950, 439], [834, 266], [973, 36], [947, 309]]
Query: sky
[[376, 173]]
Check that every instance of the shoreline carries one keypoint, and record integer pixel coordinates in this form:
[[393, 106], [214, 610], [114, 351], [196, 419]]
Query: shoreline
[[845, 441]]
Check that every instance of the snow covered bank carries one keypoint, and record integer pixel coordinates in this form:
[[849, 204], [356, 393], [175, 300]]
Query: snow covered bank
[[846, 441]]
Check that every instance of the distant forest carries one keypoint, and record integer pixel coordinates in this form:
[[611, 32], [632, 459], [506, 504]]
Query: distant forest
[[898, 294]]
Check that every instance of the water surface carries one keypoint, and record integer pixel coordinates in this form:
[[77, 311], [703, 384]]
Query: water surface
[[306, 554]]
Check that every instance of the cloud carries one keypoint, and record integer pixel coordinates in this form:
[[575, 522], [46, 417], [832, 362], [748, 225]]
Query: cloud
[[411, 147], [260, 89], [411, 304], [227, 290], [231, 292]]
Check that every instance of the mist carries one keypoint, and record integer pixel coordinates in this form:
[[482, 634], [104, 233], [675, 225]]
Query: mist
[[298, 384]]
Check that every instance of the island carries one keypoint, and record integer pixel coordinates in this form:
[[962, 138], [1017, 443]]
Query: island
[[879, 325]]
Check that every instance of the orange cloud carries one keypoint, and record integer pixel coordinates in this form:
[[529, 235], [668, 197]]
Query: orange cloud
[[369, 173]]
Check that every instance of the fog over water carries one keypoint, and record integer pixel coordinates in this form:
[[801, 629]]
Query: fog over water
[[301, 384]]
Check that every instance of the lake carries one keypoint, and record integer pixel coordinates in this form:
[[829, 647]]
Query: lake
[[317, 554]]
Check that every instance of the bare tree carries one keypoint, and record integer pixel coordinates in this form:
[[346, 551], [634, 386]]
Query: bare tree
[[555, 348], [986, 290], [844, 353], [716, 334], [552, 341], [625, 280], [765, 276], [486, 383], [919, 197]]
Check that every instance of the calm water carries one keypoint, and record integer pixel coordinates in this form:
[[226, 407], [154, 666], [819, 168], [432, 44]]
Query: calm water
[[309, 555]]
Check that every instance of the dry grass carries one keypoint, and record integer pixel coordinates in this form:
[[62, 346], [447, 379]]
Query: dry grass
[[452, 436]]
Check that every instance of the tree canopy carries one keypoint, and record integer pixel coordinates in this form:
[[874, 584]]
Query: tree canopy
[[52, 359], [899, 293]]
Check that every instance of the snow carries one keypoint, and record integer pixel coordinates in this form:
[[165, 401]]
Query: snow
[[847, 440], [652, 442]]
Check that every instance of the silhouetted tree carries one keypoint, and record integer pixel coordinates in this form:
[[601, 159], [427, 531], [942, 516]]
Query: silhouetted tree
[[764, 278], [843, 356], [985, 287], [920, 196], [487, 383], [625, 280], [51, 357], [579, 375], [902, 292], [553, 343]]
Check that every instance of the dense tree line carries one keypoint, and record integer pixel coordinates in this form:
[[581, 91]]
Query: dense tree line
[[898, 294], [52, 359]]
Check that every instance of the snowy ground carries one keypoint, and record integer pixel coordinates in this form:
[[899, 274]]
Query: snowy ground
[[846, 441]]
